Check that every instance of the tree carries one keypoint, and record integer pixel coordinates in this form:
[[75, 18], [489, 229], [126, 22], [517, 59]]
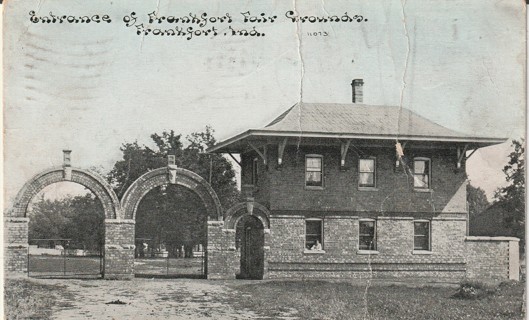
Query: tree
[[86, 222], [511, 198], [78, 218], [477, 201], [49, 219], [171, 214], [136, 161]]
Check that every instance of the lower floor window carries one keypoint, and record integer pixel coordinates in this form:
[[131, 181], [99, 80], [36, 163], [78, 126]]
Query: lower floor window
[[421, 235], [367, 237], [313, 234]]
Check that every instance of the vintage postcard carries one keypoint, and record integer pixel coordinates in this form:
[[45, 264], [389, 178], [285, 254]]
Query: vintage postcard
[[268, 160]]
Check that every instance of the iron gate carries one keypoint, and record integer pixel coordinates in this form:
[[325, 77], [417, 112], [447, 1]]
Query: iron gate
[[153, 262], [62, 258]]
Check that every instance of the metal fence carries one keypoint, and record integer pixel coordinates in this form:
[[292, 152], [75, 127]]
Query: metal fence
[[62, 258]]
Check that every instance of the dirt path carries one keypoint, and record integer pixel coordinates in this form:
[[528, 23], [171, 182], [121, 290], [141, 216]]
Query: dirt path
[[147, 299]]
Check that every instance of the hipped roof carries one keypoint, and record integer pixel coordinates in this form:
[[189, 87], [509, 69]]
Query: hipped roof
[[354, 121]]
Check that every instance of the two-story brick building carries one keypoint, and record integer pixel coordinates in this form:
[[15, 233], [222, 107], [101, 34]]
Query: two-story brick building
[[354, 190]]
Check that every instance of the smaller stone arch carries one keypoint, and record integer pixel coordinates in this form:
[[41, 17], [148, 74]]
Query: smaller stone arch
[[239, 210], [170, 175], [88, 179]]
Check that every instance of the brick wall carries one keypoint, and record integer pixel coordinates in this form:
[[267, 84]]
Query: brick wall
[[492, 258], [282, 188], [341, 258], [119, 249], [452, 257], [16, 245], [341, 203], [448, 237]]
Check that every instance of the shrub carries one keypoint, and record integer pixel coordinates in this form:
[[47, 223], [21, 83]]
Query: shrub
[[470, 290]]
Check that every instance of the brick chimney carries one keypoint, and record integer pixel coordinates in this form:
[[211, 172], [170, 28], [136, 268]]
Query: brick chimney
[[358, 90]]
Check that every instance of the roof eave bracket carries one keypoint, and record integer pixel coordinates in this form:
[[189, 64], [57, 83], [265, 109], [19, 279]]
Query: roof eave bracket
[[470, 155], [235, 159], [281, 151], [261, 154], [344, 148], [461, 155]]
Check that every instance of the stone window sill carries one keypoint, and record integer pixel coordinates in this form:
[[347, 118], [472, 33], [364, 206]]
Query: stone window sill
[[422, 252], [422, 190], [314, 251], [370, 252], [367, 189], [314, 188]]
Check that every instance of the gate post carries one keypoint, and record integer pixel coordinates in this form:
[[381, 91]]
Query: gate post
[[119, 249], [16, 245], [222, 262]]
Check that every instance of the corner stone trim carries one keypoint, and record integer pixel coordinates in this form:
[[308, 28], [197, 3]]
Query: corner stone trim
[[120, 221], [18, 245], [120, 247], [215, 223]]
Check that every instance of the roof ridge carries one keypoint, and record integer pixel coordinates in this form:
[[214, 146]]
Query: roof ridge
[[281, 116]]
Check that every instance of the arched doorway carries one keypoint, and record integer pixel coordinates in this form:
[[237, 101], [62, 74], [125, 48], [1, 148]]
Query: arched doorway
[[161, 178], [16, 222], [249, 237], [246, 247]]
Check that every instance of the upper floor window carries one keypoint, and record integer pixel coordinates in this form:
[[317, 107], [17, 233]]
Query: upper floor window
[[314, 234], [314, 171], [421, 173], [255, 171], [367, 239], [421, 235], [366, 175]]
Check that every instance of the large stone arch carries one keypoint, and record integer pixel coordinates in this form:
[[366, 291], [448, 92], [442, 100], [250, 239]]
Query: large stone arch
[[162, 176], [88, 179], [139, 188], [239, 210], [16, 221]]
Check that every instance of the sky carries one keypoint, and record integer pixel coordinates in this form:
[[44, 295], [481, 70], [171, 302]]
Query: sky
[[91, 87]]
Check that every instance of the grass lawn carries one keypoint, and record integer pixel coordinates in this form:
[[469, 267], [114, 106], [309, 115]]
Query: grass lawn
[[341, 300], [25, 299], [314, 299]]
